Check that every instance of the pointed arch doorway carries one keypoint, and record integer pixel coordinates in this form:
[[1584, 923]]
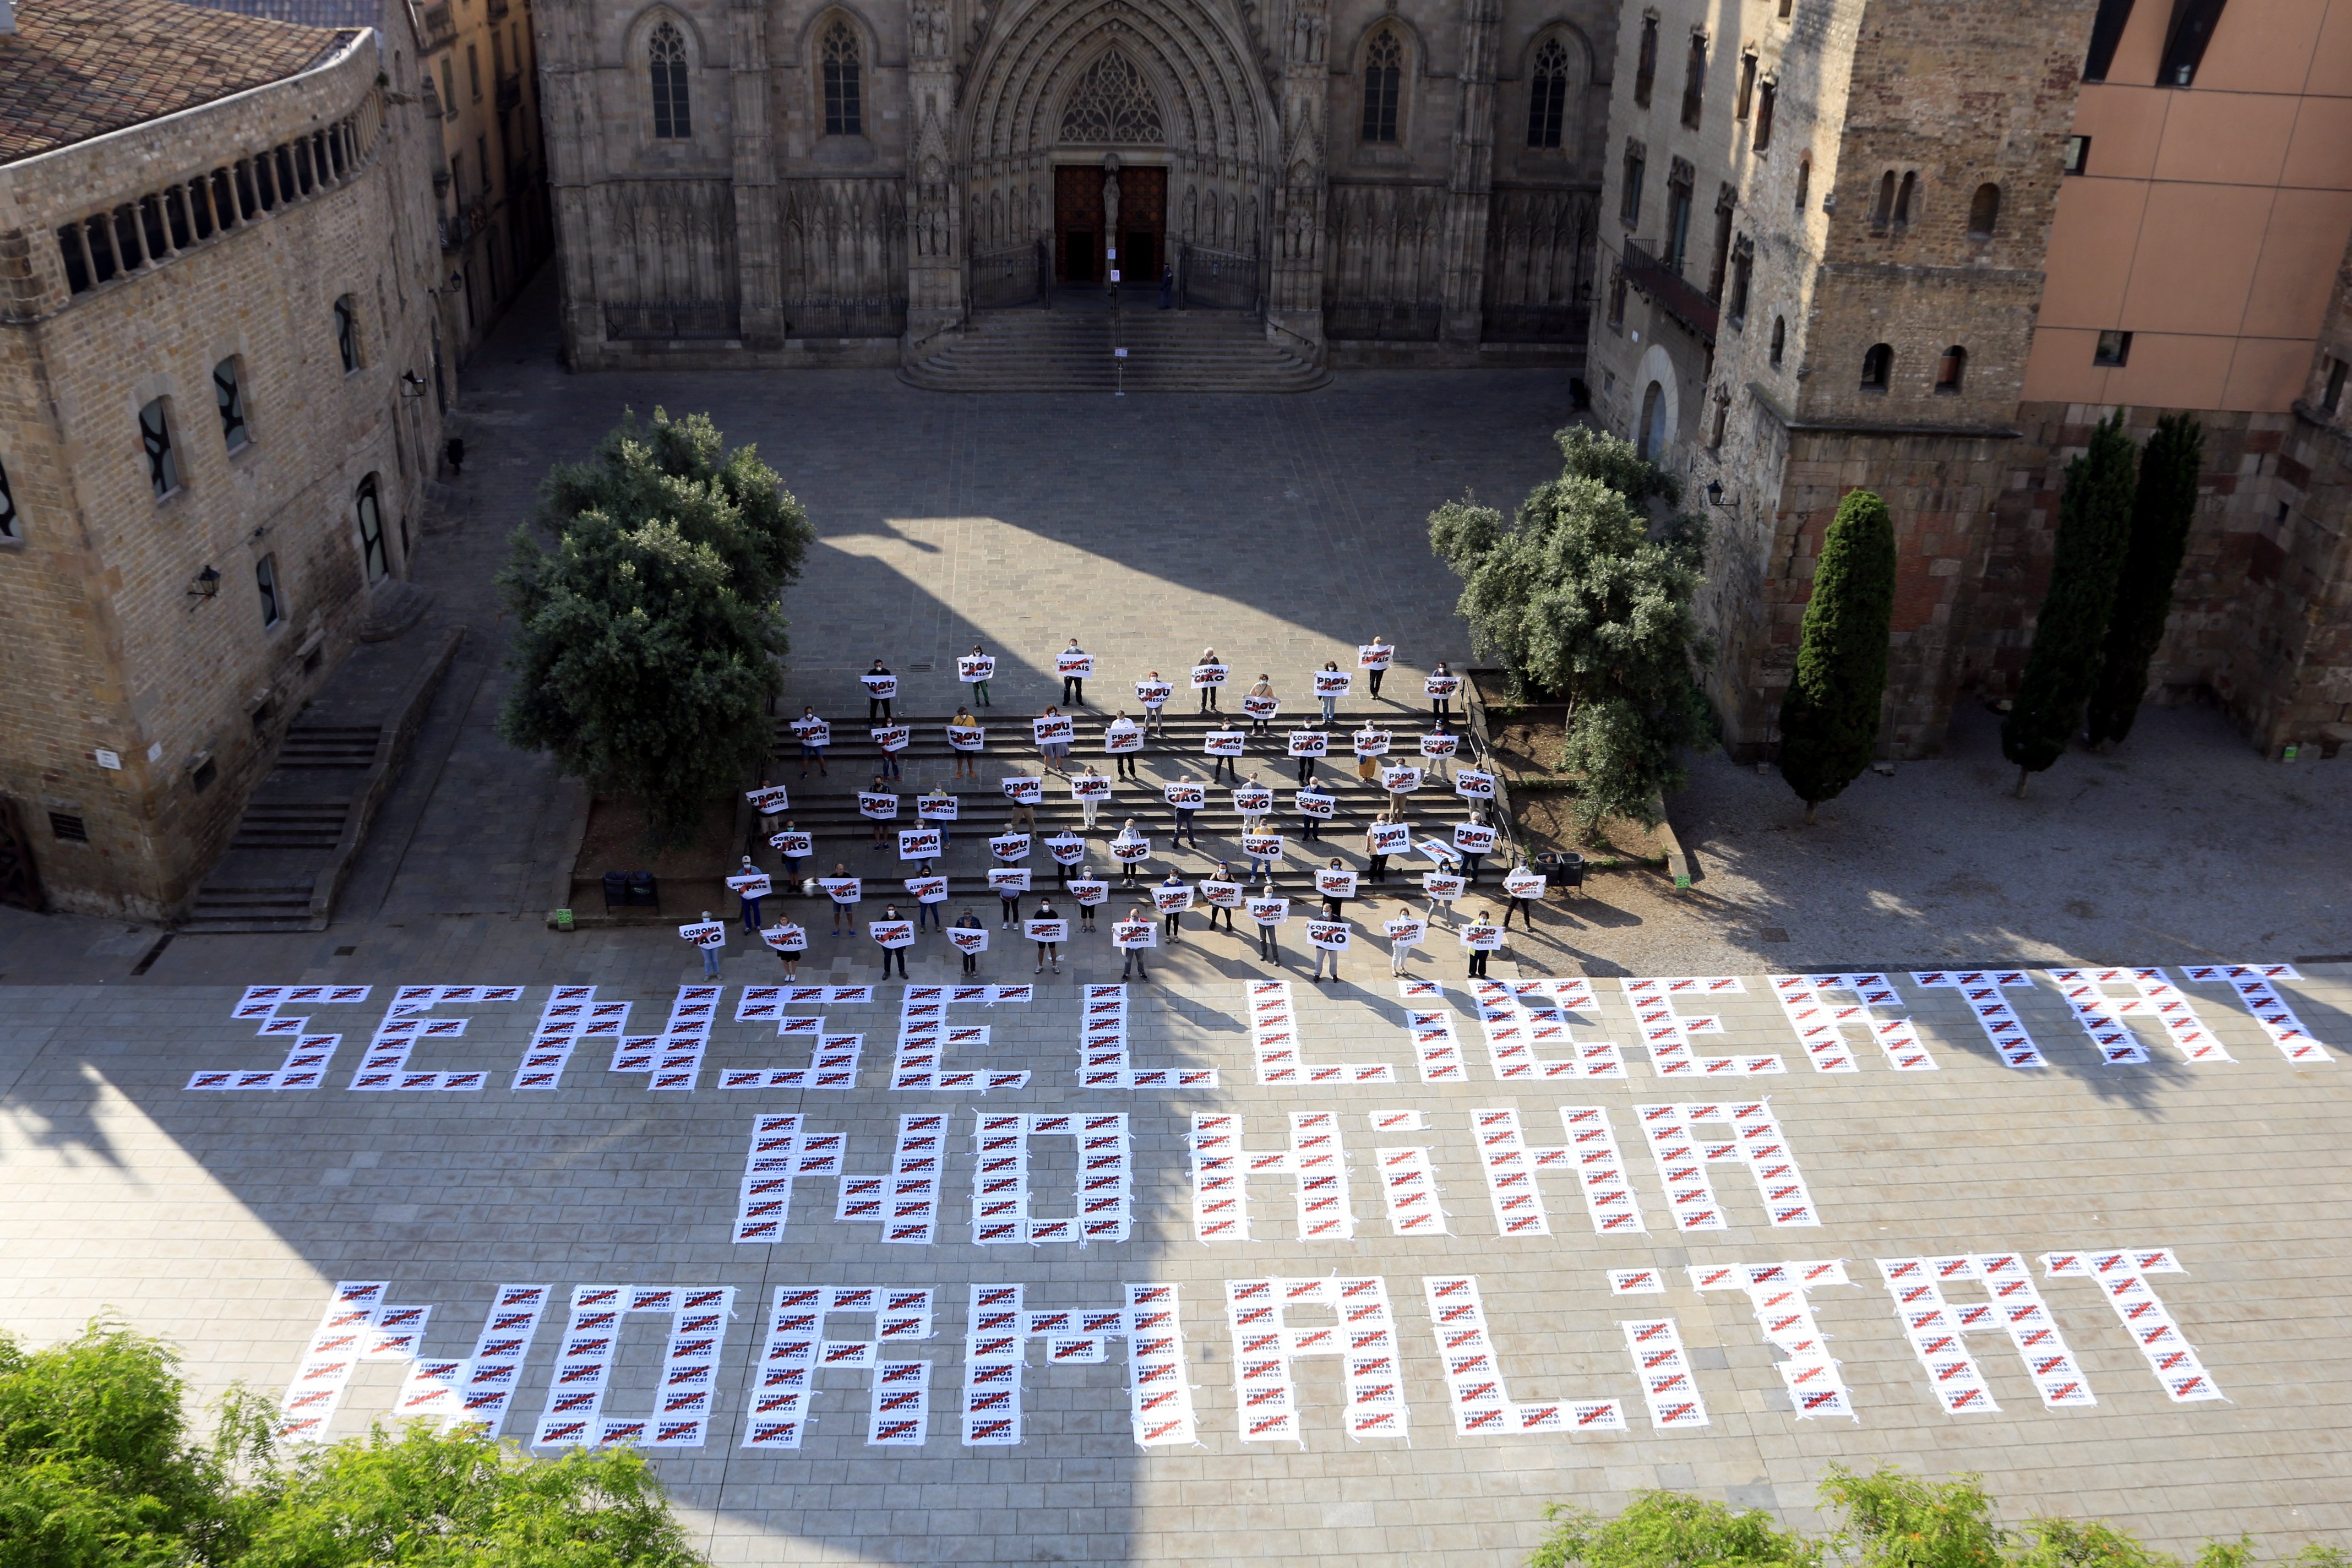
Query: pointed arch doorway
[[1087, 245]]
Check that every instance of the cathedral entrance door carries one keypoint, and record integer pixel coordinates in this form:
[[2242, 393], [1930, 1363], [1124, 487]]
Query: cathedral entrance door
[[1082, 239], [1078, 223], [1142, 225]]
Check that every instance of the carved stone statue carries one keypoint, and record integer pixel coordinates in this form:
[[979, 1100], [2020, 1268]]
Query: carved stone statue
[[1110, 198]]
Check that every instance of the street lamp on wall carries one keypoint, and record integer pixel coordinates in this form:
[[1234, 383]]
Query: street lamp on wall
[[206, 584]]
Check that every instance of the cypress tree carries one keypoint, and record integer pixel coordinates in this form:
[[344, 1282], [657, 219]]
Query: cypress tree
[[2093, 525], [1829, 719], [2162, 509]]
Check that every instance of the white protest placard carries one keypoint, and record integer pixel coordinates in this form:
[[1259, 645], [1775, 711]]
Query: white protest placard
[[1268, 912], [1261, 708], [1121, 737], [1224, 743], [1485, 936], [1206, 675], [1390, 837], [1442, 685], [937, 807], [1437, 745], [1444, 886], [1132, 934], [1523, 883], [751, 884], [840, 889], [1057, 731], [705, 934], [975, 666], [928, 890], [1440, 852], [971, 940], [1089, 892], [1023, 790], [1252, 799], [1333, 682], [1471, 784], [1370, 742], [1153, 693], [1406, 932], [1309, 744], [879, 807], [1374, 656], [1010, 847], [918, 843], [1172, 901], [812, 732], [785, 937], [1089, 787], [1402, 779], [1474, 837], [1007, 879], [966, 737], [893, 737], [1045, 931], [1331, 936], [770, 801], [1314, 803], [1333, 882], [1262, 845], [792, 844], [892, 934], [1131, 851], [880, 686], [1184, 795], [1074, 665], [1224, 895], [1067, 848]]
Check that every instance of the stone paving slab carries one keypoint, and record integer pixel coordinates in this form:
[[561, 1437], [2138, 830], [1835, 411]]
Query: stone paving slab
[[222, 1219]]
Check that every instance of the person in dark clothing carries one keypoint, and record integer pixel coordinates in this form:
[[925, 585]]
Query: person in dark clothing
[[876, 707], [890, 913], [970, 922], [1167, 288]]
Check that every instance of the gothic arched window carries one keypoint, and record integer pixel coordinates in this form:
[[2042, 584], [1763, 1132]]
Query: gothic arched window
[[844, 112], [1111, 104], [1383, 81], [1548, 95], [666, 57]]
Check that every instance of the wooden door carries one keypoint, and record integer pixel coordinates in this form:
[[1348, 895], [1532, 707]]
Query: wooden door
[[1077, 223], [1142, 226]]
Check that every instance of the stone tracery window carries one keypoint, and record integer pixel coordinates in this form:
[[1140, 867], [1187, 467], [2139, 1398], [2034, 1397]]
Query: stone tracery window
[[666, 57], [844, 108], [1548, 96], [1111, 104], [1383, 81]]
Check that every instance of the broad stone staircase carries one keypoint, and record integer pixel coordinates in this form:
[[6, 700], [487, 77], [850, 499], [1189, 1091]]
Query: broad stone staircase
[[1071, 350]]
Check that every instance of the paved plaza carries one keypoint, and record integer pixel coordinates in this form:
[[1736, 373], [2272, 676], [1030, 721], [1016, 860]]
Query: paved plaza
[[1335, 1273]]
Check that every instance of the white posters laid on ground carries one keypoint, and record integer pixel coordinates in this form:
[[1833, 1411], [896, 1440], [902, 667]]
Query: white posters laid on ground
[[1074, 665], [769, 800], [1335, 882], [1045, 931], [1472, 784], [1023, 790], [1331, 936], [1390, 837], [1223, 895], [705, 934], [1401, 780], [877, 807], [1334, 682], [1224, 743], [1268, 912], [1186, 794], [1407, 932], [1206, 675], [918, 843], [1374, 656], [1172, 901], [841, 890], [1010, 847], [1055, 730], [937, 807], [1316, 804], [966, 737], [792, 844], [1132, 934], [786, 937], [973, 668], [1442, 685], [1089, 787], [1482, 936], [1092, 893], [1309, 744], [1131, 851], [1523, 883], [1443, 886], [928, 890], [1370, 742], [1153, 693], [892, 934], [1261, 708], [1262, 845], [1474, 839], [880, 687], [1252, 800], [971, 940], [1007, 880], [749, 884], [1121, 737]]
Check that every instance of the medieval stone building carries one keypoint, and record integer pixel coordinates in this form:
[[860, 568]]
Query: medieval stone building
[[779, 181]]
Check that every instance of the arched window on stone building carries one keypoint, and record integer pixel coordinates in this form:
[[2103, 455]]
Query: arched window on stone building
[[1950, 369], [1383, 86], [845, 114], [1903, 198], [155, 439], [373, 551], [1878, 367], [1984, 211], [1804, 180], [1779, 340], [665, 66], [1548, 95], [228, 394], [1882, 213]]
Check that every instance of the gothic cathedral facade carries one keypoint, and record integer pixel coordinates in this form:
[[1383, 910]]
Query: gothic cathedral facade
[[844, 182]]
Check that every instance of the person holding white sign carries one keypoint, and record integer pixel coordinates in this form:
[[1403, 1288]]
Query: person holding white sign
[[1256, 803], [1153, 693], [1261, 704], [893, 936], [1269, 912], [844, 893], [1208, 665], [1134, 934], [1443, 887], [1306, 745], [1187, 798], [1473, 841], [890, 739], [976, 670], [1130, 849], [1090, 789], [929, 893], [971, 948], [1370, 745], [1091, 892], [1171, 898], [1386, 836], [750, 885], [1334, 885], [787, 840], [1523, 886], [1053, 732], [1122, 739], [878, 806], [936, 809], [1049, 948], [1405, 933], [1442, 685], [1374, 659], [966, 756], [1315, 809], [1074, 664], [1330, 940], [787, 940], [1221, 894], [710, 936], [815, 735], [881, 685], [1481, 937], [1330, 685]]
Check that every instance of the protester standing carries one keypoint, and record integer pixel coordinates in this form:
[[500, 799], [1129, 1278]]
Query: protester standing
[[1208, 693], [790, 957], [979, 687], [1090, 804], [1379, 645], [1269, 940], [878, 707], [890, 913], [1127, 835], [750, 900], [709, 956], [1440, 707], [845, 909], [1377, 864], [1478, 955], [1086, 911], [1185, 828], [1074, 686], [1260, 723], [811, 748], [1135, 966], [967, 763], [1054, 752], [1330, 699], [1118, 730], [1224, 873], [970, 922], [1047, 952], [1152, 724]]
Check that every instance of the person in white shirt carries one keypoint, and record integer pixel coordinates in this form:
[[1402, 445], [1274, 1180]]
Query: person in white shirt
[[1151, 716], [1128, 835], [1090, 804], [1120, 729]]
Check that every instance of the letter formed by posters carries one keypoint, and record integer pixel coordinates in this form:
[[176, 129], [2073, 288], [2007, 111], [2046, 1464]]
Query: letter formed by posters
[[1374, 656], [1057, 731], [1172, 901], [1023, 790], [1471, 784], [1317, 804], [1482, 936], [1370, 742], [1224, 742], [1474, 839], [1435, 745], [1045, 931], [877, 807], [1153, 693], [918, 843], [1220, 895], [1262, 845], [792, 844], [937, 807], [892, 934], [1261, 708], [1010, 847], [1129, 935], [1121, 737], [973, 668], [1208, 675], [1267, 911], [749, 885], [1331, 936], [1131, 851], [1332, 882], [1333, 682], [841, 890], [772, 800], [880, 687], [1400, 779], [1006, 882], [969, 941], [1407, 932], [1309, 744], [967, 737], [1186, 794], [893, 737], [1442, 685], [1066, 847], [1089, 787], [1074, 665], [1391, 838], [786, 937], [1092, 893], [705, 934], [928, 890]]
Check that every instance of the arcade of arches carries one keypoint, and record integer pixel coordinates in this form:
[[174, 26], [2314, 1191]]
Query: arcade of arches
[[798, 181]]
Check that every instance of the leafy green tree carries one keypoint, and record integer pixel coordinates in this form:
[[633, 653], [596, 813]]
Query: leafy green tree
[[1584, 603], [1671, 1530], [648, 637], [1898, 1521], [1829, 719], [2163, 507], [2093, 525]]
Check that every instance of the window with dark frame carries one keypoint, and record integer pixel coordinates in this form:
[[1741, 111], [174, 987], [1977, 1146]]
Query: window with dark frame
[[1384, 82], [1629, 201], [1722, 418], [1645, 65], [1718, 260], [1804, 180], [1617, 297], [2112, 350], [2331, 400], [2106, 32], [155, 439], [666, 62], [2192, 29], [1694, 82], [1903, 198], [229, 392], [347, 333], [1678, 214], [265, 579], [473, 70], [1984, 211], [1950, 368], [1779, 340], [1768, 92], [9, 521], [372, 549], [845, 114], [1882, 212], [1548, 96], [1747, 87], [1743, 271], [1878, 367], [2077, 156]]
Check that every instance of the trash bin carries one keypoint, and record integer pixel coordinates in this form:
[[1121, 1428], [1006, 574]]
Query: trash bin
[[644, 890], [617, 889], [1567, 869]]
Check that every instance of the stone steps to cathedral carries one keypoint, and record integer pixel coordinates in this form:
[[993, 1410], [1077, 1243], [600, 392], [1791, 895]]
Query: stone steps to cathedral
[[1074, 350]]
